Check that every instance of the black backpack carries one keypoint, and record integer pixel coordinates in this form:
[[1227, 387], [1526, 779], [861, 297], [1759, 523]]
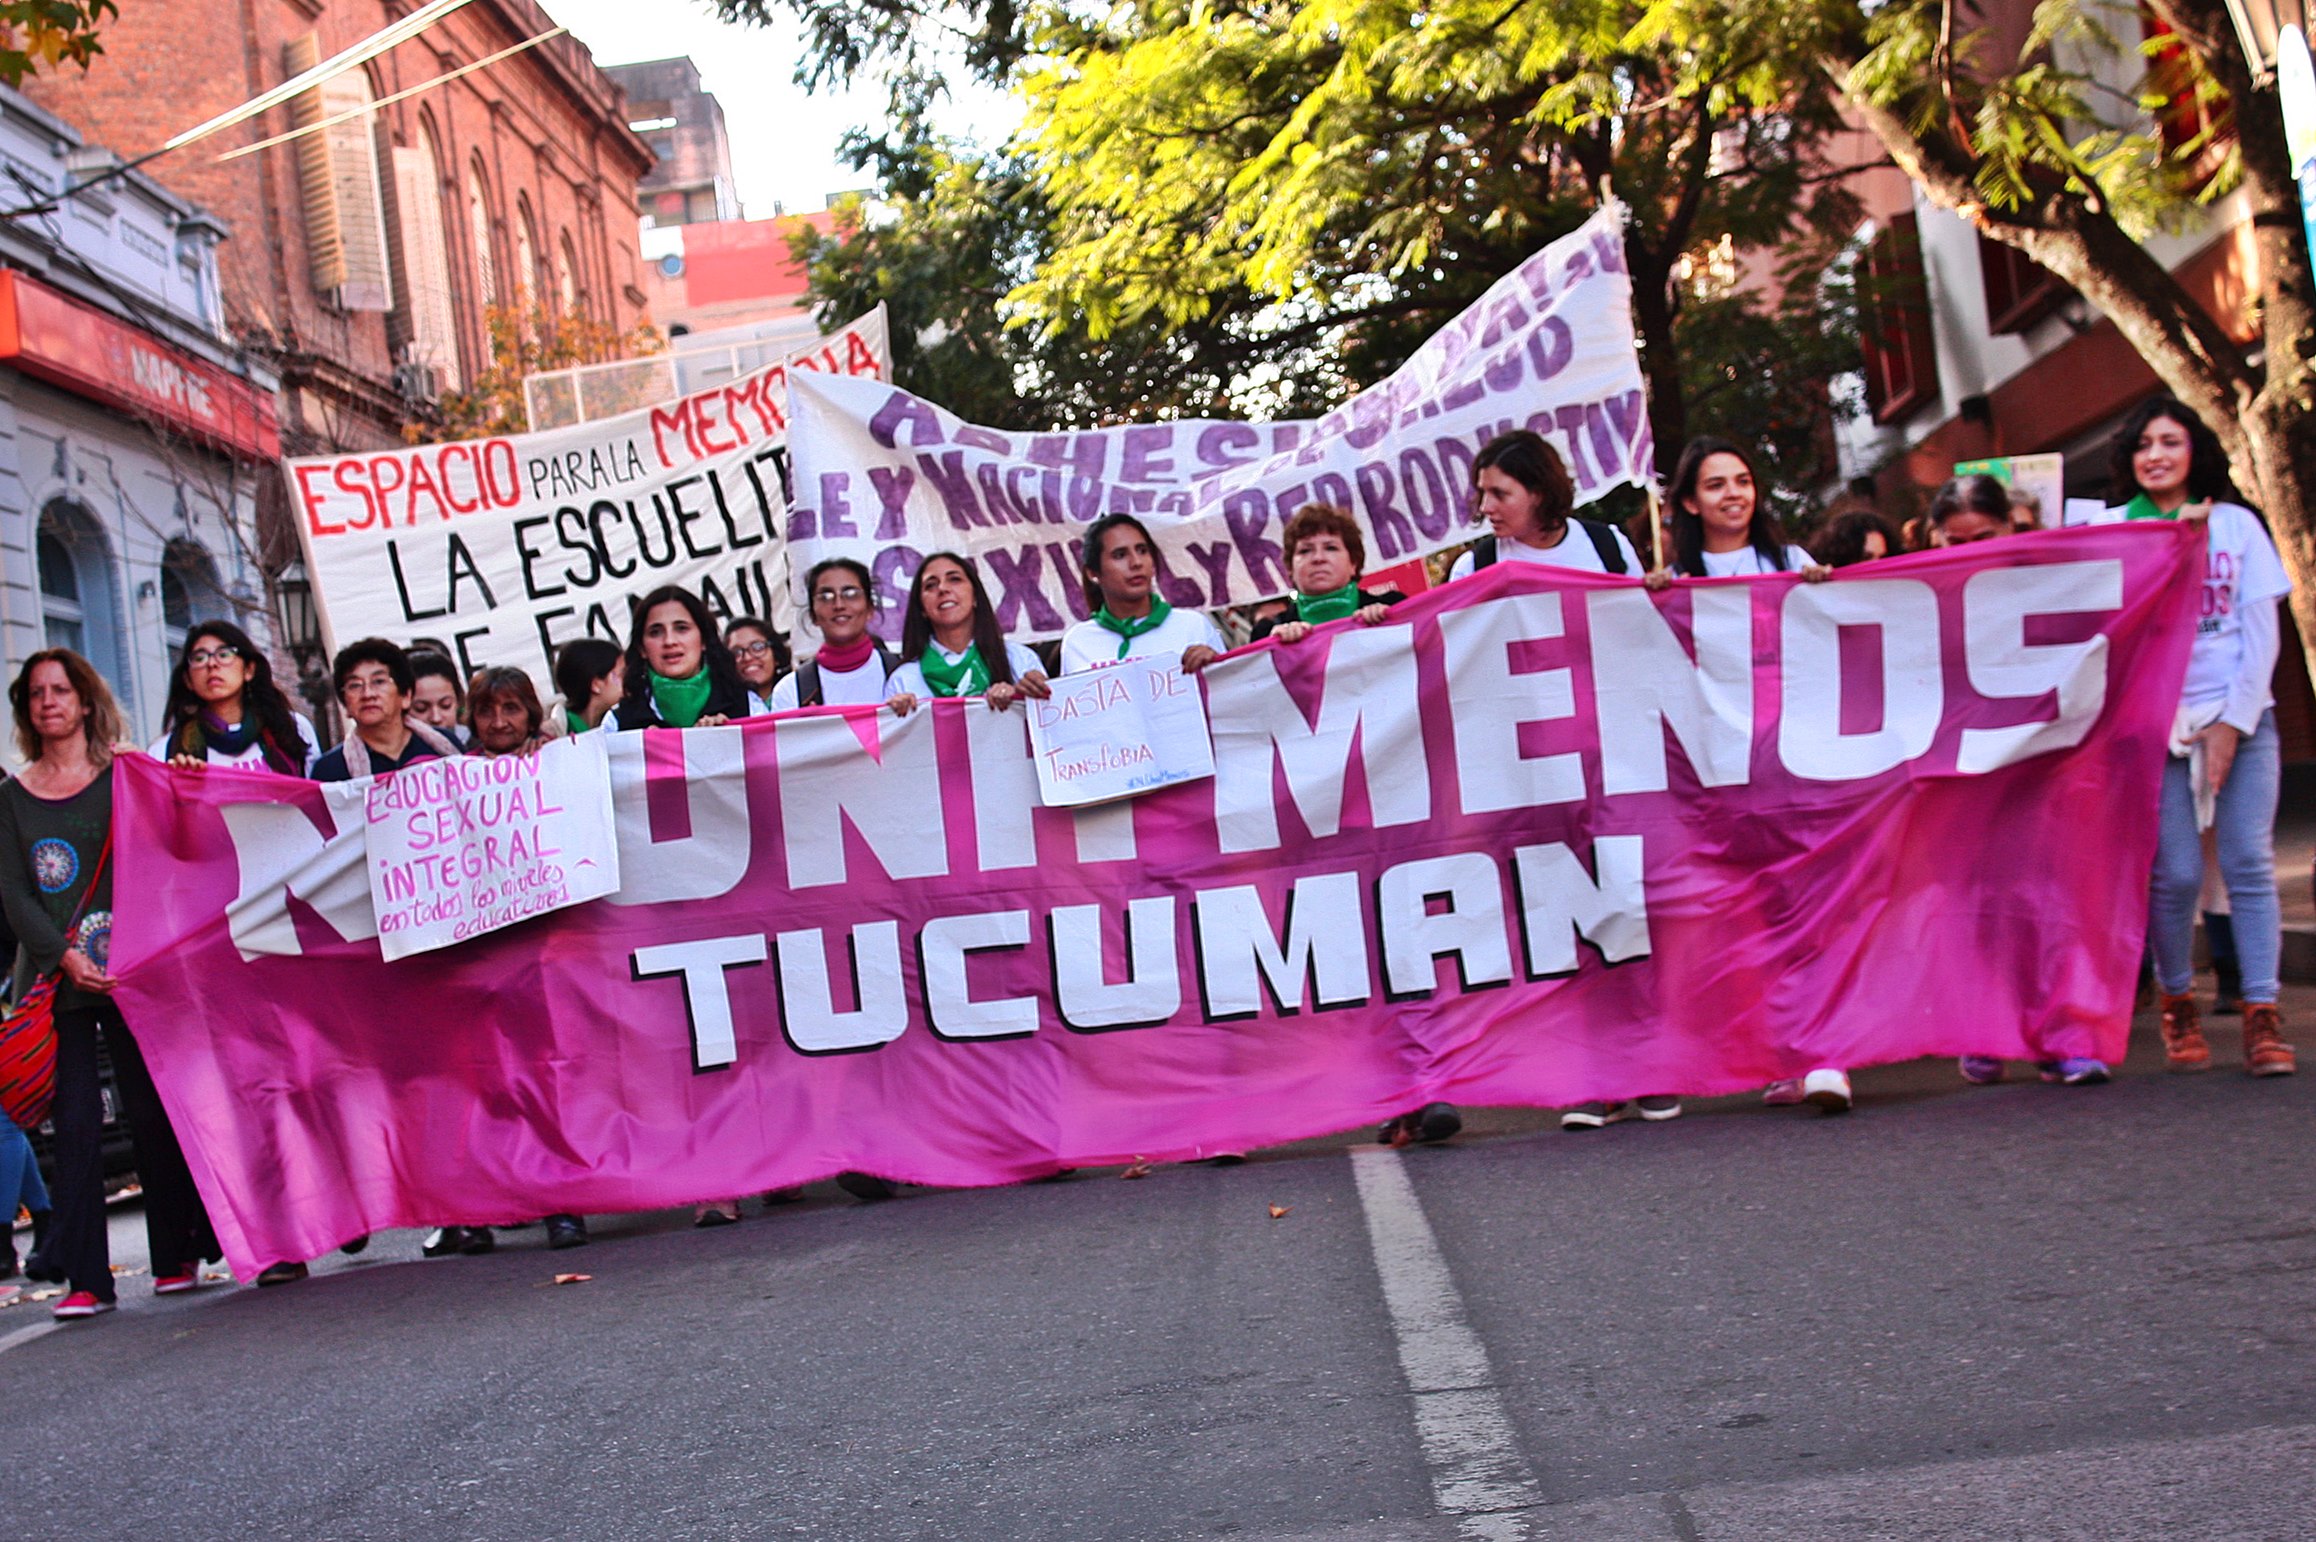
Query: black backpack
[[808, 673], [1603, 541]]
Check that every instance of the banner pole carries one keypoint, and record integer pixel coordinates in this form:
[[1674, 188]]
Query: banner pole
[[1656, 530]]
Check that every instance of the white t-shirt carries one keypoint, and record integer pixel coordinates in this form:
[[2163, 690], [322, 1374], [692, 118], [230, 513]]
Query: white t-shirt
[[1090, 645], [1574, 551], [253, 758], [862, 687], [2236, 627], [910, 677], [1747, 562]]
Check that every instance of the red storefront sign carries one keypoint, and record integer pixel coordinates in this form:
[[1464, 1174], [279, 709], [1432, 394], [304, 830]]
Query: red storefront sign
[[95, 355]]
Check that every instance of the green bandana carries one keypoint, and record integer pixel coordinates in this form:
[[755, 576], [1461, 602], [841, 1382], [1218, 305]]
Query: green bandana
[[2143, 507], [1334, 605], [574, 721], [969, 676], [1129, 630], [680, 702]]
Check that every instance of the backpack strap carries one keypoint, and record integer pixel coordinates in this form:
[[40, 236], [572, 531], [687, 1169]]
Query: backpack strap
[[1484, 552], [808, 683], [1604, 544]]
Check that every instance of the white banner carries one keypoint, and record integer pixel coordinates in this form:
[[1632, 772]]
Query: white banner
[[505, 549], [469, 844], [890, 478]]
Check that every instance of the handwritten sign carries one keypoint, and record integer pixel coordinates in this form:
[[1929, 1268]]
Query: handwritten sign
[[461, 847], [1112, 733]]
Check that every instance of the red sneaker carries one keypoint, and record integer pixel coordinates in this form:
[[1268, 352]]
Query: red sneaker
[[176, 1284], [2184, 1047], [80, 1303], [2265, 1052]]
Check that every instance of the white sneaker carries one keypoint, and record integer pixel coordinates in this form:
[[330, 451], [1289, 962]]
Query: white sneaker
[[1827, 1090]]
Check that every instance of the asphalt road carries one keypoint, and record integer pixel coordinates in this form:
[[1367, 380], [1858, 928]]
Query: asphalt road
[[2020, 1311]]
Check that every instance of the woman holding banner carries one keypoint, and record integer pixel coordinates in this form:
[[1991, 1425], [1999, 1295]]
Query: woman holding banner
[[1524, 493], [1720, 529], [853, 666], [679, 673], [1129, 620], [2225, 766], [1326, 557], [56, 841], [950, 644], [762, 660], [225, 710], [590, 676]]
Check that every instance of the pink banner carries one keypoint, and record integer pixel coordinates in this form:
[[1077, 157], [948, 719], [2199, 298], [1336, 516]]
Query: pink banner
[[1544, 837]]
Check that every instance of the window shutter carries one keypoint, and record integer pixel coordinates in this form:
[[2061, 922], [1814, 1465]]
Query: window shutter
[[1900, 343], [425, 263], [338, 179], [2019, 290]]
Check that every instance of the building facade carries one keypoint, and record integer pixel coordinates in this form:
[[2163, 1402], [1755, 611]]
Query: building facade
[[134, 435], [683, 125]]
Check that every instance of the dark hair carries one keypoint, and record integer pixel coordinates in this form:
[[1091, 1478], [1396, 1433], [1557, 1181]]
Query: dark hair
[[373, 650], [101, 728], [495, 680], [917, 627], [2207, 463], [262, 702], [739, 624], [854, 566], [715, 658], [1842, 542], [582, 662], [1090, 552], [1324, 519], [1977, 493], [1764, 534], [1525, 457], [425, 663]]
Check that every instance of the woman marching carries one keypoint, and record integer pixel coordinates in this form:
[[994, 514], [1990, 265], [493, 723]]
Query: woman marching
[[1720, 529], [225, 710], [1130, 621], [2226, 765], [1528, 500], [56, 825], [761, 658], [1326, 557], [950, 644], [679, 673], [853, 665], [590, 676]]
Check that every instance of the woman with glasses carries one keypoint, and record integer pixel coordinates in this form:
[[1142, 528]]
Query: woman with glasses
[[757, 649], [853, 666], [225, 710]]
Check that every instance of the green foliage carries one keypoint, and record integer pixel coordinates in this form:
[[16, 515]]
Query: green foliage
[[523, 344], [44, 34]]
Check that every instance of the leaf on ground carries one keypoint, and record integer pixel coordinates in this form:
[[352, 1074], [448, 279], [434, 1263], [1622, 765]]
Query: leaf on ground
[[128, 1269], [212, 1276], [1138, 1170], [49, 1294], [573, 1279], [10, 1295], [1279, 1210]]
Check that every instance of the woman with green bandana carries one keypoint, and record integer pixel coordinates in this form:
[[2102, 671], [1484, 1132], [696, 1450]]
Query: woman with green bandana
[[950, 644], [1130, 620], [679, 673], [1325, 556]]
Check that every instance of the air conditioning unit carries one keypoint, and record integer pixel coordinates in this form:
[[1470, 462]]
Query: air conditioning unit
[[416, 382]]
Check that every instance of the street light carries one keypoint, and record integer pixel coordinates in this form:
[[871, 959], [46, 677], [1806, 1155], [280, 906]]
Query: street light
[[301, 629]]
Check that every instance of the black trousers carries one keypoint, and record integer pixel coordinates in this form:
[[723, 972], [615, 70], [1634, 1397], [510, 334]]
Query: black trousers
[[177, 1229]]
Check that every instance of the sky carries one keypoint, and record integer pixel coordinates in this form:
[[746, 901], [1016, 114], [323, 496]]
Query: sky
[[783, 138]]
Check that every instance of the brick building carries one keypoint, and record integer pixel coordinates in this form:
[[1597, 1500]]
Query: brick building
[[684, 126], [365, 254]]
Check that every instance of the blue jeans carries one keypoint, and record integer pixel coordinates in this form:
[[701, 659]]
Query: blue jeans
[[2244, 830], [19, 1175]]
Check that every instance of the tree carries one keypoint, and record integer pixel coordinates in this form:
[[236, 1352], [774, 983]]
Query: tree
[[2027, 148], [522, 344], [44, 34]]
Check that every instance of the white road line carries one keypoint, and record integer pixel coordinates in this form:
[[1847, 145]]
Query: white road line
[[27, 1334], [1477, 1472]]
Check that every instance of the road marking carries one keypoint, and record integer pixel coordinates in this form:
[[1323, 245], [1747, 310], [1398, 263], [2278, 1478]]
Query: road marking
[[1477, 1472], [26, 1335]]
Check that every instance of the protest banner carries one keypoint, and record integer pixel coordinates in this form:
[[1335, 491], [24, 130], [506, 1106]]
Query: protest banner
[[1541, 837], [1132, 728], [2045, 476], [889, 478], [467, 845], [506, 548]]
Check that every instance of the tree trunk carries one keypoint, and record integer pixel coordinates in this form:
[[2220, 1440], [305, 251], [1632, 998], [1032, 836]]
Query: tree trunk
[[1652, 318]]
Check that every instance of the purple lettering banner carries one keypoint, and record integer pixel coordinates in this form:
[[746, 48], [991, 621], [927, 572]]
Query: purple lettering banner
[[1540, 838], [889, 478]]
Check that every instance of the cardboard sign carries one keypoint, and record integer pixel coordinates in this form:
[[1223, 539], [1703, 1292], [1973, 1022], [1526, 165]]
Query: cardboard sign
[[461, 847], [1112, 733], [2043, 475]]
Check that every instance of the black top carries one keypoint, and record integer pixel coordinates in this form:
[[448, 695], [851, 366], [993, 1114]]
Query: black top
[[1270, 624], [332, 766], [49, 849], [724, 700]]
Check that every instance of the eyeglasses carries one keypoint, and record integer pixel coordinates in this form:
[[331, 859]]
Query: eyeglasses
[[221, 654], [754, 650], [829, 596], [367, 685]]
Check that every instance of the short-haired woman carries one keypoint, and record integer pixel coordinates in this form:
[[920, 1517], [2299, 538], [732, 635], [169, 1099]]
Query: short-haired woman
[[225, 710], [590, 677], [56, 883], [1855, 536], [679, 673], [853, 667], [504, 708], [950, 644], [1130, 620], [1326, 556], [374, 681], [761, 656], [1522, 490]]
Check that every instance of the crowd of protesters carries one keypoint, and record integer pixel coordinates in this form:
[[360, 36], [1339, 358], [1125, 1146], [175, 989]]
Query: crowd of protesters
[[680, 669]]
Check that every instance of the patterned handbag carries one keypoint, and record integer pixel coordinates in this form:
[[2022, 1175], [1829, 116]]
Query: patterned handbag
[[28, 1033]]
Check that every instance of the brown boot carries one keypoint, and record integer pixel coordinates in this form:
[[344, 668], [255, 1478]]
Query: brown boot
[[2265, 1052], [2184, 1048]]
